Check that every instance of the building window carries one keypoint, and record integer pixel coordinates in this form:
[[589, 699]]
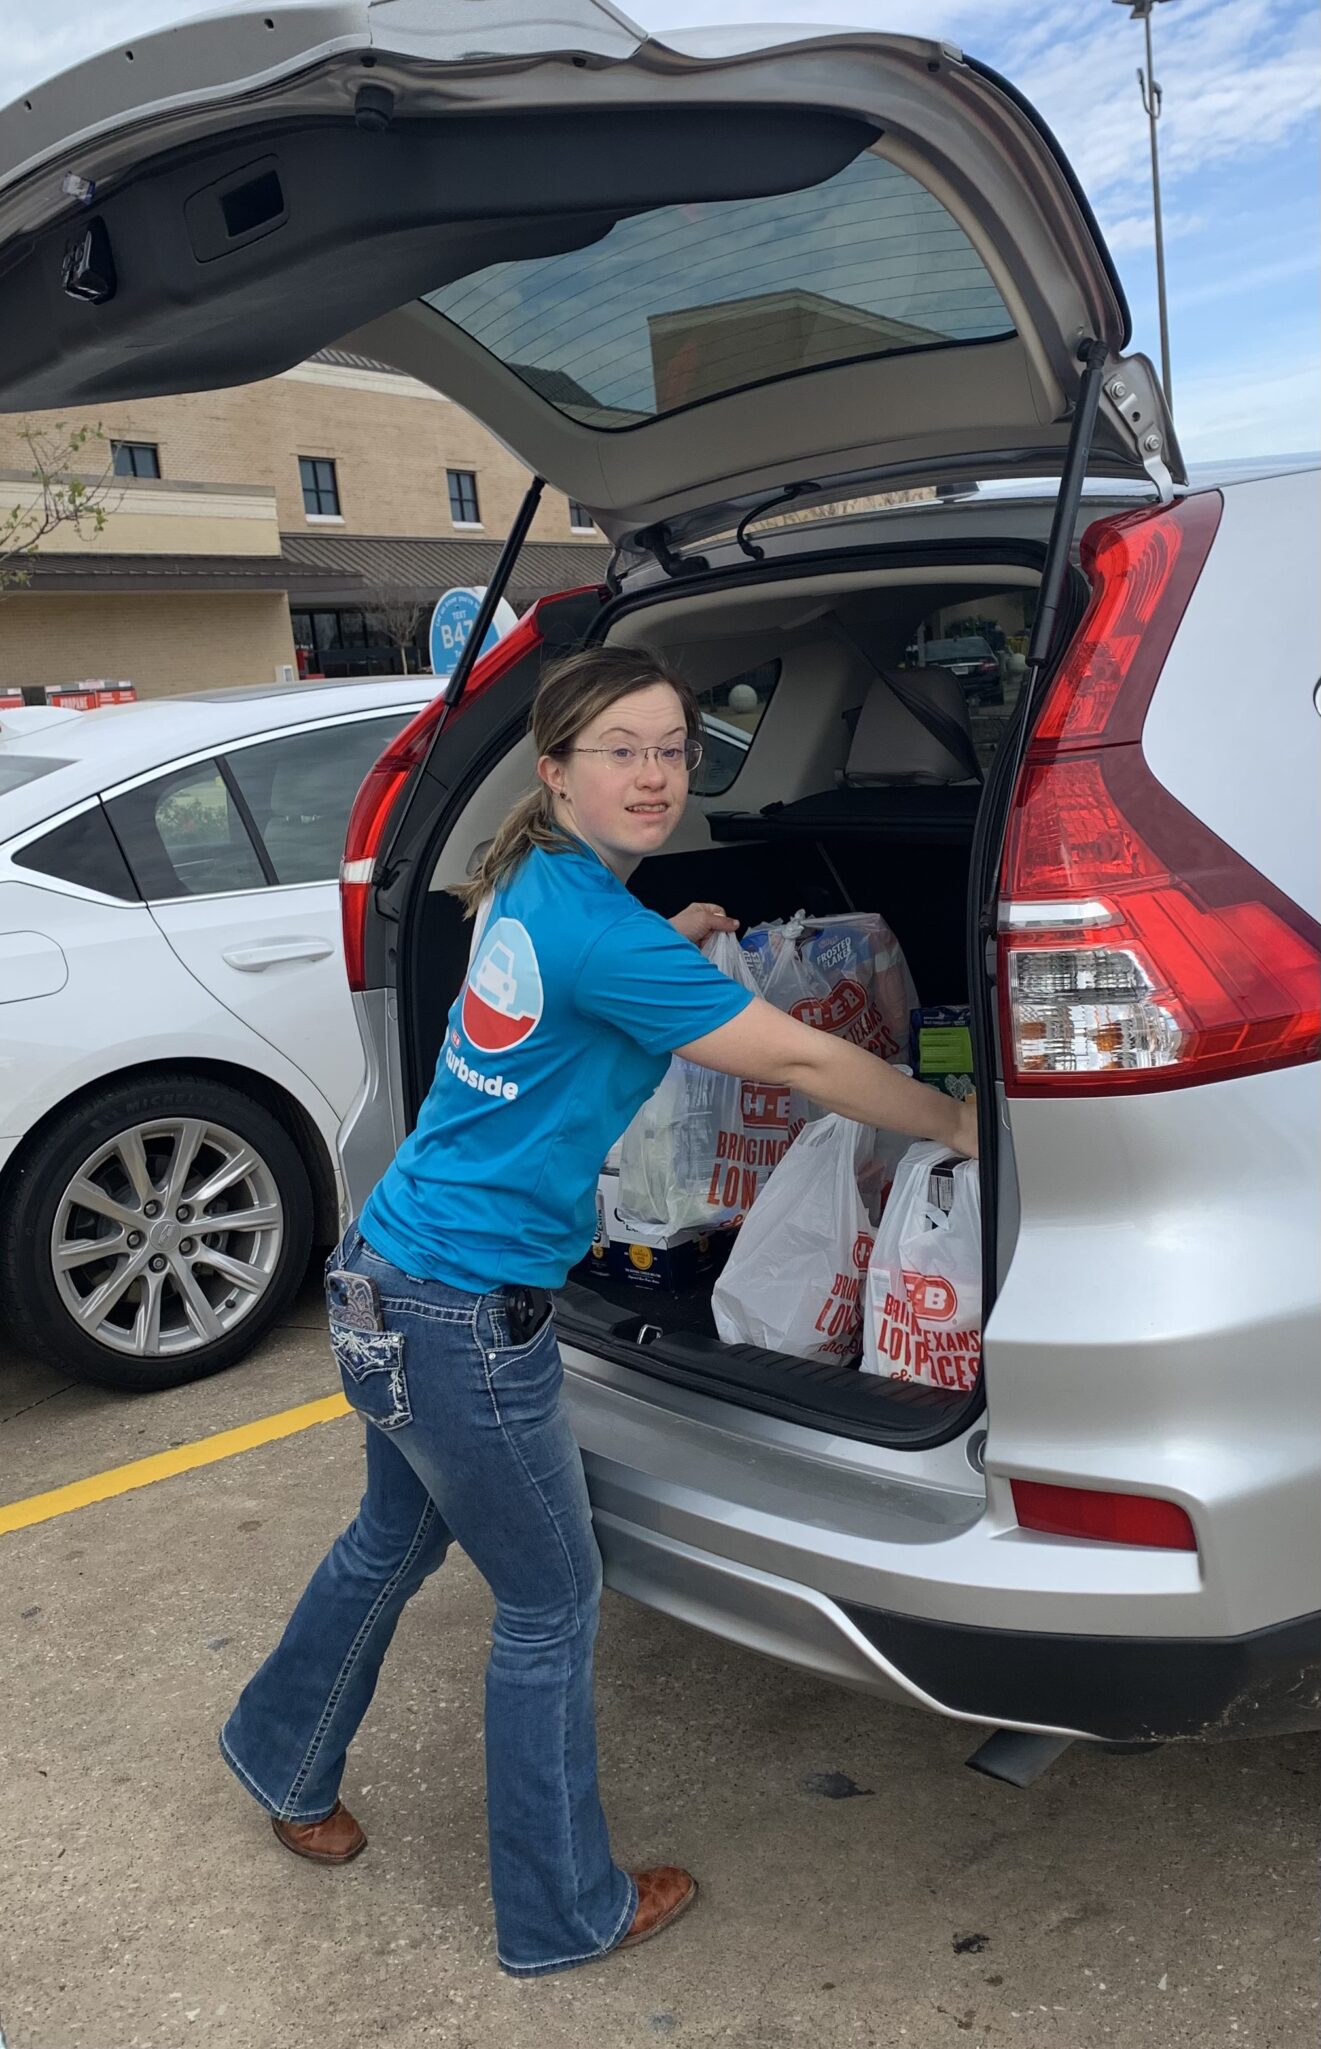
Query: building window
[[135, 458], [350, 642], [463, 497], [320, 487], [580, 519]]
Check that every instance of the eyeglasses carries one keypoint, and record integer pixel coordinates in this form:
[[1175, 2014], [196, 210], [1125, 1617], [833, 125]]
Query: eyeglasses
[[686, 756]]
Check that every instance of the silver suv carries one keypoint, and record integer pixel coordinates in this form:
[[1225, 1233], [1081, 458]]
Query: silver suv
[[735, 293]]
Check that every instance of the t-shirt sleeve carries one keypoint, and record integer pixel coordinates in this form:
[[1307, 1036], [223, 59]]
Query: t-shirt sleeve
[[650, 982]]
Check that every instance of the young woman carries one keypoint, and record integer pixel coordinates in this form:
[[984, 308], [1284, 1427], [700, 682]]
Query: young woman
[[576, 998]]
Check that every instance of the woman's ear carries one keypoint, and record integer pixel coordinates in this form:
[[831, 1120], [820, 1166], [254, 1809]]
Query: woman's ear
[[551, 772]]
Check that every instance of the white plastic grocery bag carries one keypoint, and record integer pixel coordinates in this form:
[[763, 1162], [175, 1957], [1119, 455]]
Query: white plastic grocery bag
[[922, 1313], [761, 948], [697, 1153], [863, 989], [845, 974], [794, 1280]]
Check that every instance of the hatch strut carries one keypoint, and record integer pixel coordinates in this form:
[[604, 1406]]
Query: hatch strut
[[387, 873], [495, 590], [988, 837], [1092, 354]]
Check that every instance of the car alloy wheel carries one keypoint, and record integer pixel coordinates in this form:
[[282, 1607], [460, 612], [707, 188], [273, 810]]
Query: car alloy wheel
[[167, 1236]]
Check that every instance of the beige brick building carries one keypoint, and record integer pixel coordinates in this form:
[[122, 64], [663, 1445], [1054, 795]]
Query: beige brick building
[[302, 523]]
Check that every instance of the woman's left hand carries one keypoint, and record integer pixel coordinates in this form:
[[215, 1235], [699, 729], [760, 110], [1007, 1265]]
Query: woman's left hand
[[699, 921]]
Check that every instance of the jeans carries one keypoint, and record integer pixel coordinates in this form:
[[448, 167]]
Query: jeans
[[467, 1441]]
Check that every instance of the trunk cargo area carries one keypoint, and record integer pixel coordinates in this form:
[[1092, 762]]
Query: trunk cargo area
[[673, 1332], [822, 791]]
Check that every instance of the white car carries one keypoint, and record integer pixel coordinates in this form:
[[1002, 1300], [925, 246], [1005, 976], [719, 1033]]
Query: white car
[[177, 1041]]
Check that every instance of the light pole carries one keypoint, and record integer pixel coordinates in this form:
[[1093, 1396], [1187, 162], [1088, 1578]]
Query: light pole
[[1152, 96]]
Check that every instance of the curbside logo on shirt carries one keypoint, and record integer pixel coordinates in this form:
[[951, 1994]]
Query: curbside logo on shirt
[[503, 997], [473, 1078], [501, 1006]]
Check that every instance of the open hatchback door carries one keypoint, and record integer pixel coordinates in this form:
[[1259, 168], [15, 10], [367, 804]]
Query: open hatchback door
[[677, 273]]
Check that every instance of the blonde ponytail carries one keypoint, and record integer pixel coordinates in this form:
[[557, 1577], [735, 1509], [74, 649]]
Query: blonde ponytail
[[531, 823]]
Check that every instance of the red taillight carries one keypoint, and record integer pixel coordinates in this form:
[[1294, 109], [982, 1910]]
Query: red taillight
[[1137, 950], [1106, 1518], [375, 801], [1143, 568]]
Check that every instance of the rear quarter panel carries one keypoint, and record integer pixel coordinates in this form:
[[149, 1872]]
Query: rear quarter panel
[[1233, 730], [1160, 1321]]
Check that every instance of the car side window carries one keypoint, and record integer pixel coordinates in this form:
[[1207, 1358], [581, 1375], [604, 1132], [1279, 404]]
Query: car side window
[[185, 836], [731, 712], [83, 851], [300, 789]]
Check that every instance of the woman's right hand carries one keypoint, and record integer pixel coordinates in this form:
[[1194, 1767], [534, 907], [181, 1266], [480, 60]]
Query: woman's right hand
[[762, 1044], [699, 921]]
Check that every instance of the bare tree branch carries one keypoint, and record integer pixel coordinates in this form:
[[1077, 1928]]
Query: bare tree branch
[[65, 496], [398, 609]]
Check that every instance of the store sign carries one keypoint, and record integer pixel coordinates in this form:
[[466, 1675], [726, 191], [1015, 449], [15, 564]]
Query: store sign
[[452, 622], [89, 695]]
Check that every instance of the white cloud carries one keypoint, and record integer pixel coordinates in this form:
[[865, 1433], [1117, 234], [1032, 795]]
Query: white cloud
[[1136, 230], [1242, 280], [1240, 78], [1249, 406]]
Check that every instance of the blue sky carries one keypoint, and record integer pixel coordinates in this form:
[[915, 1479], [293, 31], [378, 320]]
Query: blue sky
[[1239, 158], [1239, 144]]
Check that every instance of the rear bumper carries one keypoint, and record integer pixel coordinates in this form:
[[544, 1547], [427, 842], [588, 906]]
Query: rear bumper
[[907, 1577], [1120, 1689], [1111, 1689]]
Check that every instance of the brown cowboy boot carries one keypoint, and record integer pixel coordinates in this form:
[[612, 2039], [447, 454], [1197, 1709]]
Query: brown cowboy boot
[[663, 1894], [336, 1839]]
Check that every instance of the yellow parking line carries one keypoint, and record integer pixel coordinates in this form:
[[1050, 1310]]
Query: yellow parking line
[[163, 1465]]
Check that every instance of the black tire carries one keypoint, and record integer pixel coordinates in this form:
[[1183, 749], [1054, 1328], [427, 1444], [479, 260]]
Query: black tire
[[38, 1316]]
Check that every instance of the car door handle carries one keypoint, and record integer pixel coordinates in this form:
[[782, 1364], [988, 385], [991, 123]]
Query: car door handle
[[250, 960]]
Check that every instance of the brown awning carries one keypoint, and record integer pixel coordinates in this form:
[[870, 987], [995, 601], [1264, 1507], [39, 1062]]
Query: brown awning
[[329, 570], [152, 574], [345, 569]]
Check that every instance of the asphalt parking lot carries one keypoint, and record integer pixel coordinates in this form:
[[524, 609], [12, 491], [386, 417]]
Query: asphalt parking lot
[[860, 1887]]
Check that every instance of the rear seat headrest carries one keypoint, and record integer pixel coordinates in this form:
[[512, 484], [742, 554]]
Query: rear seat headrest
[[891, 744]]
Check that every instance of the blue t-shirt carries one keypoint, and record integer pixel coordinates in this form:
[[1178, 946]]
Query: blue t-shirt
[[575, 999]]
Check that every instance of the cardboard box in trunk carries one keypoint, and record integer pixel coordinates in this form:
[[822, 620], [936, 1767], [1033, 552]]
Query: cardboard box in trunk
[[628, 1249]]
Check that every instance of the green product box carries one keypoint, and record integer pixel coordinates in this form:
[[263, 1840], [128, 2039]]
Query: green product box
[[940, 1047]]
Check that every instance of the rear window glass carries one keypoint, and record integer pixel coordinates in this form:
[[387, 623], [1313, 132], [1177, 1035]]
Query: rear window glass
[[18, 769], [687, 302], [989, 632]]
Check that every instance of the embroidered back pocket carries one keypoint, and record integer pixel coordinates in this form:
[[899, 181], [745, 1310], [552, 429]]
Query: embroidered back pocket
[[371, 1366]]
